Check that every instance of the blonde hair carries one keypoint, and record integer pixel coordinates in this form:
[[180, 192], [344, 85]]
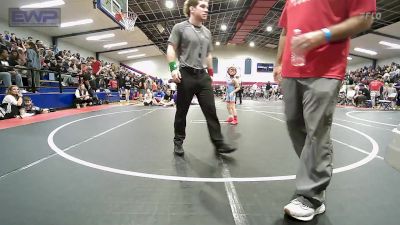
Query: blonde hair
[[9, 89], [188, 4]]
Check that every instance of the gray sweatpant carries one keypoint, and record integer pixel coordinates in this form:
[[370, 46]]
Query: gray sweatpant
[[309, 107]]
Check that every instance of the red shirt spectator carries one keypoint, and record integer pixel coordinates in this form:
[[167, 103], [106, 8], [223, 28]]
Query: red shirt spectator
[[96, 66], [113, 84], [376, 85], [154, 86], [329, 60]]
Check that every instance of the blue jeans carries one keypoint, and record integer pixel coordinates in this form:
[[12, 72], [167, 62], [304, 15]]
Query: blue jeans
[[6, 78], [18, 79]]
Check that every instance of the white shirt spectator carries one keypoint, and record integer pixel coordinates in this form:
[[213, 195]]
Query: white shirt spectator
[[172, 86], [4, 63], [9, 99], [254, 87]]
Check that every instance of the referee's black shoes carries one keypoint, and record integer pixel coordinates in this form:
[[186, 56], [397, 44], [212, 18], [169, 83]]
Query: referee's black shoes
[[178, 150], [224, 149]]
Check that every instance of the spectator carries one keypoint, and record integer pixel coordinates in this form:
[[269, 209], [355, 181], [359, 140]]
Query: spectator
[[172, 86], [13, 58], [268, 90], [22, 59], [375, 89], [254, 89], [13, 38], [148, 83], [113, 84], [136, 83], [96, 66], [82, 97], [39, 44], [14, 46], [29, 107], [362, 95], [6, 73], [3, 42], [390, 91], [158, 95], [154, 86], [115, 67], [168, 99], [398, 98], [20, 44], [7, 36], [148, 99], [34, 62], [12, 102], [142, 87], [127, 87], [60, 55]]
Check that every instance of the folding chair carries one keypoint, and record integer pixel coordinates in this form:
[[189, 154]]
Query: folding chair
[[385, 104]]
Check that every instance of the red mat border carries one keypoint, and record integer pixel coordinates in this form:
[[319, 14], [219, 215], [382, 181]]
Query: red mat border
[[10, 123]]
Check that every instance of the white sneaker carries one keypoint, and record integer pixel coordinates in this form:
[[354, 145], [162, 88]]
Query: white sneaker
[[302, 212]]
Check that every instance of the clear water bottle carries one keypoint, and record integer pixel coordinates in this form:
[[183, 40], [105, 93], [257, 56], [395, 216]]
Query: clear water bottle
[[298, 58]]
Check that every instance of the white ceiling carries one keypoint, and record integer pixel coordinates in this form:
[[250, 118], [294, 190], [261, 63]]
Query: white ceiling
[[392, 29], [150, 51], [357, 60], [134, 38], [371, 42], [83, 9]]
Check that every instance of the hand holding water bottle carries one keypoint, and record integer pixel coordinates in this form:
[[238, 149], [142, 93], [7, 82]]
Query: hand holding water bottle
[[277, 73], [301, 44]]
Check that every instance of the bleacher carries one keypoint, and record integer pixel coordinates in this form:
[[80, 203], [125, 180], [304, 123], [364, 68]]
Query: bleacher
[[52, 92], [50, 97]]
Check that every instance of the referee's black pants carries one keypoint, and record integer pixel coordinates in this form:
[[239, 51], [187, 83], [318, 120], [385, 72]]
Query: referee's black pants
[[196, 82], [239, 95]]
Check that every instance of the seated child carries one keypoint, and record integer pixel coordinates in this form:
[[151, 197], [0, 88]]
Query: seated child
[[29, 107]]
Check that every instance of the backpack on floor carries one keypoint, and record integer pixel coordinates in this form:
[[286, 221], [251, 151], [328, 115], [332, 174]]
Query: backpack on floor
[[2, 113], [8, 111]]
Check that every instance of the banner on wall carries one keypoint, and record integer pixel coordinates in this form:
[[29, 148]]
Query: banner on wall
[[265, 67]]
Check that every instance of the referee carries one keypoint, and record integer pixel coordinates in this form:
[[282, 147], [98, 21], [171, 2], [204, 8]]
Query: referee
[[190, 42]]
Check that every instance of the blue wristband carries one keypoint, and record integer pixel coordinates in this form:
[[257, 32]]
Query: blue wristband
[[328, 34]]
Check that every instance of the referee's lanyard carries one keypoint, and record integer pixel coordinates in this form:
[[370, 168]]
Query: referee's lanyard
[[199, 37]]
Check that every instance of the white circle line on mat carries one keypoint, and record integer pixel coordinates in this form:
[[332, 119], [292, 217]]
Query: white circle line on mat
[[62, 153], [370, 121]]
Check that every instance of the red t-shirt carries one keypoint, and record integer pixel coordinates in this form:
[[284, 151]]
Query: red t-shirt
[[375, 85], [329, 60], [113, 84], [96, 66]]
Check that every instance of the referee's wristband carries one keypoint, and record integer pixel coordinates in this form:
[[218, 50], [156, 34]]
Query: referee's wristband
[[328, 34], [210, 72], [172, 66]]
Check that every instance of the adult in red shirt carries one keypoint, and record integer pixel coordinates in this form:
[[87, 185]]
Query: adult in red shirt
[[96, 66], [310, 90], [376, 85], [96, 69], [375, 89]]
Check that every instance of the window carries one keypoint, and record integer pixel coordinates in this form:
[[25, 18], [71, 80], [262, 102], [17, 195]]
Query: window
[[215, 64], [247, 66]]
